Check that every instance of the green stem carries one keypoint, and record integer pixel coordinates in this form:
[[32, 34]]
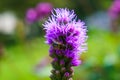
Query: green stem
[[59, 71]]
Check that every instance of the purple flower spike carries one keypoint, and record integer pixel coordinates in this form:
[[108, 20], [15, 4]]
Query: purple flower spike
[[36, 14], [67, 39], [43, 9], [31, 16], [114, 10]]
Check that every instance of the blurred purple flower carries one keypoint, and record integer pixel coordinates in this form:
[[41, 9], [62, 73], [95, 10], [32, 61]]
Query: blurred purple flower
[[31, 16], [43, 9], [40, 11], [114, 10], [66, 37]]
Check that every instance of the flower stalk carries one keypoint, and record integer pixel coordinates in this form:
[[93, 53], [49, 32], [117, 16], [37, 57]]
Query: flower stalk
[[66, 37]]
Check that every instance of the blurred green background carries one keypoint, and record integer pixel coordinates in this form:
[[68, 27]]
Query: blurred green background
[[24, 55]]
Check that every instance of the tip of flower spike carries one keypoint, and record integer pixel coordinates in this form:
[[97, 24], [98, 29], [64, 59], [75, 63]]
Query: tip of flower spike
[[60, 16], [63, 16]]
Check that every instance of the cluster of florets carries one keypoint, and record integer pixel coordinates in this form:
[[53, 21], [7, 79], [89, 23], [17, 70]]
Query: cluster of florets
[[66, 37]]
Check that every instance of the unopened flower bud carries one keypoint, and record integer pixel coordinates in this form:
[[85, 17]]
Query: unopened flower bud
[[63, 69], [66, 74], [62, 63]]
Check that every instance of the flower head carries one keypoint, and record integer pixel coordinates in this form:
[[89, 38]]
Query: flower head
[[114, 10], [40, 11], [43, 9], [67, 37], [62, 28], [31, 15]]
